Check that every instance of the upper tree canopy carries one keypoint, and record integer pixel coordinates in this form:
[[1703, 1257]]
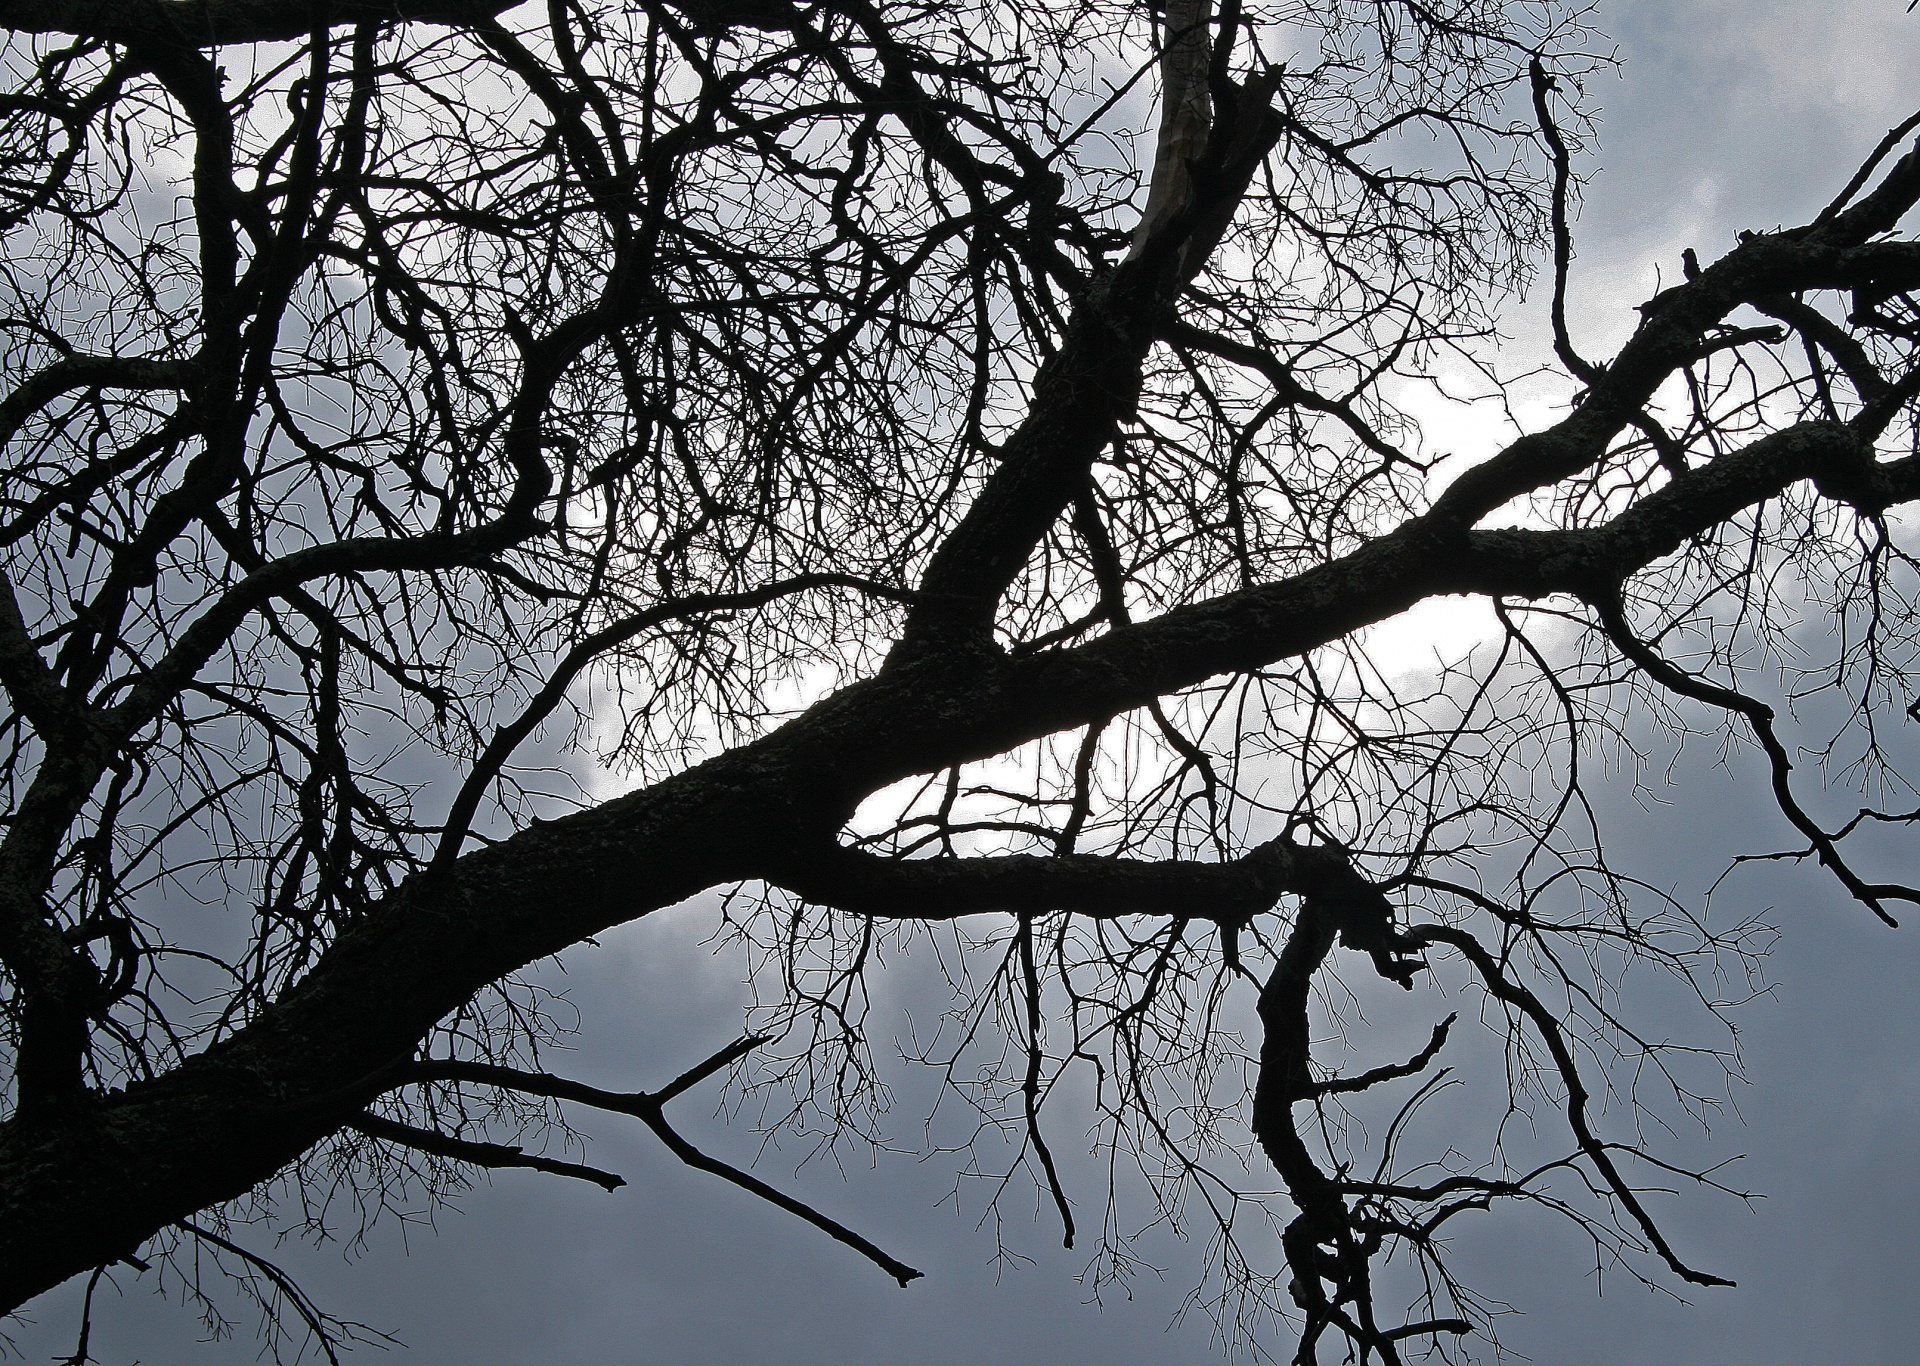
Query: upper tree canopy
[[948, 460]]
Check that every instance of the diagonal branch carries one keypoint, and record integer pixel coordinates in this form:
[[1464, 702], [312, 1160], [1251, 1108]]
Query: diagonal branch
[[1250, 629], [1373, 1076], [510, 737], [649, 1108], [1091, 384], [1286, 384], [491, 1155], [1759, 716], [1186, 116], [1504, 988]]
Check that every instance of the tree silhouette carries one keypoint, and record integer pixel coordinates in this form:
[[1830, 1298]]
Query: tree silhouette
[[959, 542]]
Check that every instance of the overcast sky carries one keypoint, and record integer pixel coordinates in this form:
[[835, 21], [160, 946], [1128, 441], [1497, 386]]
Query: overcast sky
[[1727, 114]]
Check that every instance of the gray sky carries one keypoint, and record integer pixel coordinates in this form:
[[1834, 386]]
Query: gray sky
[[1728, 114]]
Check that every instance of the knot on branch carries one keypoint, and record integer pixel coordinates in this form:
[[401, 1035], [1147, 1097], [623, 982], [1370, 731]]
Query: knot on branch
[[1358, 912], [1845, 471]]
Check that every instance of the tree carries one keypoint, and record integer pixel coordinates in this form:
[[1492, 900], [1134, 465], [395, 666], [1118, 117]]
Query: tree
[[934, 521]]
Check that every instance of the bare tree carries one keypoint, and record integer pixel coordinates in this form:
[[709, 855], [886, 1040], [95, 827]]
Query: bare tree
[[957, 540]]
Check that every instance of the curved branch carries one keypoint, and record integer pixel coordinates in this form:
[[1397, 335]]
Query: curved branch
[[90, 372], [1504, 988], [1543, 86], [1373, 1076], [1780, 765]]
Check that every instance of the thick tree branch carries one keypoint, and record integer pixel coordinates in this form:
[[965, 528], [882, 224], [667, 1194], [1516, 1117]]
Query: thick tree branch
[[512, 735], [1186, 116], [89, 372], [1091, 384], [217, 23], [1033, 884], [1251, 629]]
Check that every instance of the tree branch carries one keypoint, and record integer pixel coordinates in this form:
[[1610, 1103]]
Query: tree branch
[[491, 1155], [1373, 1076], [648, 1107], [1504, 988], [89, 372], [216, 23], [1090, 885]]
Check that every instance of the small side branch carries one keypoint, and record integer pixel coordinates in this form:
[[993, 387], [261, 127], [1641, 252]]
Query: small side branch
[[1504, 988], [649, 1108], [328, 1332], [1030, 1084], [1760, 717], [490, 1155], [1543, 86], [1374, 1076], [839, 1232]]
